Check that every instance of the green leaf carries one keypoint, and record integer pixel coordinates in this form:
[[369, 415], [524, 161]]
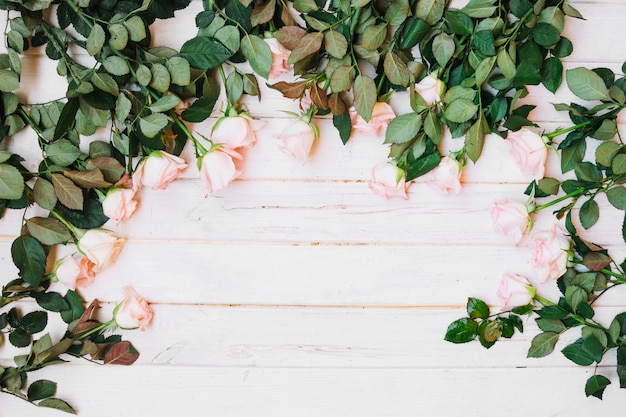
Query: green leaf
[[234, 86], [617, 197], [396, 70], [586, 84], [43, 194], [136, 28], [423, 165], [551, 325], [480, 9], [30, 258], [119, 36], [586, 171], [95, 40], [165, 103], [66, 119], [483, 41], [477, 309], [475, 139], [41, 389], [462, 331], [200, 110], [62, 152], [459, 22], [11, 183], [344, 126], [335, 44], [258, 54], [9, 80], [204, 53], [56, 404], [461, 110], [67, 192], [430, 11], [374, 36], [47, 230], [543, 344], [364, 96], [545, 34], [160, 79], [143, 74], [51, 301], [116, 65], [34, 322], [403, 128], [619, 164], [506, 64], [589, 213], [433, 128], [606, 131], [552, 74], [575, 295], [229, 37], [595, 385], [180, 70], [414, 31], [443, 48], [75, 307], [105, 83], [308, 45], [575, 353], [153, 124], [484, 69]]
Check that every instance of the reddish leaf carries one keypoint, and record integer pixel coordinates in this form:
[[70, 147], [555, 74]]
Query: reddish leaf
[[318, 96], [121, 353], [290, 90], [289, 36]]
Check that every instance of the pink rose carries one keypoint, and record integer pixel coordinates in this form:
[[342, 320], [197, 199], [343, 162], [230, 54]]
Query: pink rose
[[550, 254], [100, 246], [297, 139], [431, 89], [510, 218], [133, 312], [218, 169], [74, 271], [529, 152], [514, 291], [389, 181], [119, 204], [381, 116], [280, 55], [159, 169], [236, 132], [446, 176]]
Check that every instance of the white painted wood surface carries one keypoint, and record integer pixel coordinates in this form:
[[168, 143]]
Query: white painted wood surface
[[297, 291]]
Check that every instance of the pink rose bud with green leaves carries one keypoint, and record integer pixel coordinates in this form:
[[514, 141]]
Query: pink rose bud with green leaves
[[297, 139], [550, 253], [280, 56], [74, 271], [514, 291], [100, 246], [510, 218], [389, 181], [382, 115], [430, 88], [217, 168], [134, 311], [158, 170], [446, 176], [529, 152]]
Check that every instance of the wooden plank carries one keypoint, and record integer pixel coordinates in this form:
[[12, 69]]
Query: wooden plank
[[224, 392]]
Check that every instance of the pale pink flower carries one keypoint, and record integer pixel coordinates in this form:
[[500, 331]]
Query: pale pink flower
[[236, 132], [75, 271], [446, 176], [297, 139], [431, 89], [134, 311], [550, 254], [158, 170], [510, 218], [529, 152], [218, 169], [381, 116], [280, 56], [100, 246], [514, 291], [388, 181], [119, 204]]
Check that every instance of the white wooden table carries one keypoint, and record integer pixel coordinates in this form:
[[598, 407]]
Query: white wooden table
[[299, 292]]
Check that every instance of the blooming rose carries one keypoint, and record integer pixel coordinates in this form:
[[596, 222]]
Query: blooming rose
[[101, 246], [119, 203], [236, 131], [297, 139], [550, 253], [280, 55], [514, 291], [446, 176], [74, 271], [431, 89], [529, 152], [218, 169], [389, 181], [159, 169], [510, 218], [381, 116], [134, 311]]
